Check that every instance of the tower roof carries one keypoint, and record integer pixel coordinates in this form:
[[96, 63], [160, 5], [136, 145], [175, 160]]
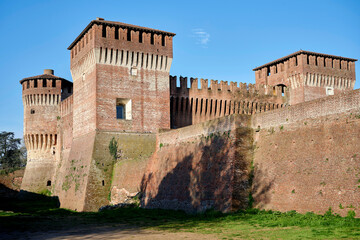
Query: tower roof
[[304, 52], [101, 21]]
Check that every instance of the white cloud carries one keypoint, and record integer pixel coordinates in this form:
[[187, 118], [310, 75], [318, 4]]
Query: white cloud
[[201, 36]]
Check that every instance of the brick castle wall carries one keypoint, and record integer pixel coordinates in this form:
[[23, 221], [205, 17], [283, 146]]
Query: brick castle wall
[[195, 105], [200, 167]]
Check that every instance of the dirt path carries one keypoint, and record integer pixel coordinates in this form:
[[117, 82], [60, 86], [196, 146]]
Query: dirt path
[[106, 232]]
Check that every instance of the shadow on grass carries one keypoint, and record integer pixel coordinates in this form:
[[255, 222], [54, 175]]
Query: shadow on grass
[[39, 217]]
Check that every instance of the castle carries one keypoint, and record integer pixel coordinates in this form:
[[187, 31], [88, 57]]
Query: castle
[[290, 141]]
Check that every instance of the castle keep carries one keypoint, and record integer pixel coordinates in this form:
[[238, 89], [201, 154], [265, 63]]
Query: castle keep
[[291, 140]]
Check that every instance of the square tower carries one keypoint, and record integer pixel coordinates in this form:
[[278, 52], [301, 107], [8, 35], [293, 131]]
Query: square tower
[[309, 75], [121, 78]]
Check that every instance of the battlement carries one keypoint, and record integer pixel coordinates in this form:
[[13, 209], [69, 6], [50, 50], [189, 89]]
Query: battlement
[[121, 36], [310, 58], [45, 88], [276, 72], [309, 75], [194, 105], [223, 87]]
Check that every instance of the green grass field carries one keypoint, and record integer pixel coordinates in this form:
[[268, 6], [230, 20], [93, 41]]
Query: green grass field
[[249, 224]]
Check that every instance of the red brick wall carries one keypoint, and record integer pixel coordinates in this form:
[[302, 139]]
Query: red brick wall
[[149, 94], [309, 166], [307, 156], [336, 104], [201, 167]]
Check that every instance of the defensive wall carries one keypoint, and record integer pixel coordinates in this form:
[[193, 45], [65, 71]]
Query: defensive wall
[[306, 157], [200, 167], [195, 105]]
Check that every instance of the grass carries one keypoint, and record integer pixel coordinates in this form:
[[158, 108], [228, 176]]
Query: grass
[[252, 223]]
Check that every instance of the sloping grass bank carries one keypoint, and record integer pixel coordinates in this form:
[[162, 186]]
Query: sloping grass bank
[[41, 215]]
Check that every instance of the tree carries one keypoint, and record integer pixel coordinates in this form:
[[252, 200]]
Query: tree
[[10, 154]]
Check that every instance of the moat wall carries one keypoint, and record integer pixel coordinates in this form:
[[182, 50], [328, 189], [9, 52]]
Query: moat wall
[[307, 156], [200, 167]]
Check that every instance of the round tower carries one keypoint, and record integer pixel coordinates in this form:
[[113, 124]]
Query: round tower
[[41, 98]]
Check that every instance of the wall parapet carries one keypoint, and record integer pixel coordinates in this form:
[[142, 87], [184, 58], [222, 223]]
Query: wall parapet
[[223, 87], [193, 105], [329, 105]]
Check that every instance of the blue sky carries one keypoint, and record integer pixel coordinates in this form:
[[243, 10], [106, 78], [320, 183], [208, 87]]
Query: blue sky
[[221, 40]]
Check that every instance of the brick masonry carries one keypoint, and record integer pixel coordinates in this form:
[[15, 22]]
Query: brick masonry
[[191, 148]]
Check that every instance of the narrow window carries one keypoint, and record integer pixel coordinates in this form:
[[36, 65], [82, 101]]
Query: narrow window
[[123, 108], [48, 183], [104, 31], [196, 106], [120, 111], [206, 106], [220, 107], [44, 82], [142, 59], [100, 54], [129, 35], [215, 107], [111, 55], [35, 83], [132, 58], [122, 57], [32, 111], [54, 83], [103, 182]]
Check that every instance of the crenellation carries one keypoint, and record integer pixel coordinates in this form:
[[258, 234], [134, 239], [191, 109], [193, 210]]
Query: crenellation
[[214, 85], [204, 83], [183, 83]]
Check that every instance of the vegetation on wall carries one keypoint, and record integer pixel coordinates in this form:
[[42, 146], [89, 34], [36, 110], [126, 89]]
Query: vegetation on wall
[[113, 145]]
